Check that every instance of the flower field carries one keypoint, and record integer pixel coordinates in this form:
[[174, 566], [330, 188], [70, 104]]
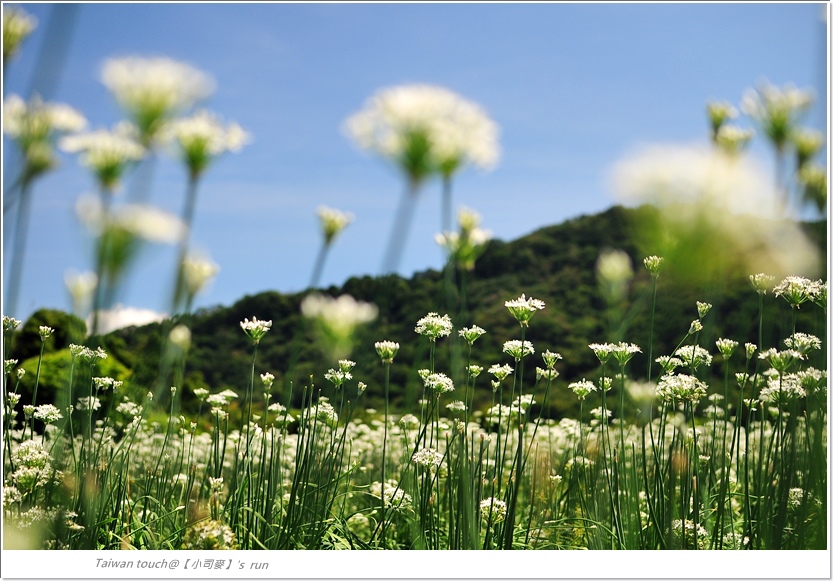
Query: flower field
[[713, 445]]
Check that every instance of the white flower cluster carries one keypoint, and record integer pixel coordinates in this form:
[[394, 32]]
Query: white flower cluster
[[332, 222], [255, 329], [681, 386], [782, 390], [209, 535], [409, 422], [501, 372], [151, 89], [10, 323], [439, 383], [548, 374], [781, 360], [428, 458], [201, 137], [395, 497], [518, 349], [726, 347], [28, 122], [523, 308], [17, 25], [324, 412], [797, 290], [197, 270], [33, 127], [493, 510], [340, 315], [106, 153], [338, 377], [86, 354], [732, 139], [693, 356], [88, 403], [775, 107], [614, 270], [471, 334], [522, 403], [138, 220], [456, 406], [221, 399], [434, 326], [653, 264], [33, 467], [129, 408], [687, 532], [387, 350], [802, 342], [107, 383], [623, 352], [466, 246], [451, 130], [582, 388]]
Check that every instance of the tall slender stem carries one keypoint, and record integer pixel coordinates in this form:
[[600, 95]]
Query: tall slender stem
[[319, 265], [385, 448], [187, 220], [19, 248], [401, 226]]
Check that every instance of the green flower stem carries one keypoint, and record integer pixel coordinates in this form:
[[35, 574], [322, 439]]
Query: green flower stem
[[717, 535], [517, 464], [318, 269], [651, 328], [35, 391], [100, 253], [18, 250], [694, 479], [384, 451], [401, 227], [606, 450], [187, 219]]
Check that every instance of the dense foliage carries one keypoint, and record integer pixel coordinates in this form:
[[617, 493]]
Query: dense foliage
[[556, 263]]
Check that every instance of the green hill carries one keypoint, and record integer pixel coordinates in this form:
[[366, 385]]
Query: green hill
[[555, 264]]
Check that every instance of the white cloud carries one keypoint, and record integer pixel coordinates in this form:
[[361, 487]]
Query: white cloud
[[120, 316]]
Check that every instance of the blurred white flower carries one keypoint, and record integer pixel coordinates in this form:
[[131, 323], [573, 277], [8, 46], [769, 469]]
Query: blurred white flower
[[493, 510], [733, 139], [336, 320], [152, 89], [106, 153], [37, 119], [198, 270], [614, 272], [718, 113], [33, 126], [332, 222], [145, 222], [776, 109], [17, 25], [180, 336], [88, 403], [198, 139], [716, 213], [425, 129], [466, 246]]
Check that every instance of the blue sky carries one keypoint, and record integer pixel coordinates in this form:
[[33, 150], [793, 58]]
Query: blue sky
[[573, 87]]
